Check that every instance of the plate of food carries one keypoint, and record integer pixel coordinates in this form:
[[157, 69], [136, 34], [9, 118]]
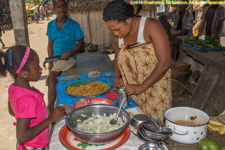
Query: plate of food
[[69, 141], [87, 88], [92, 100]]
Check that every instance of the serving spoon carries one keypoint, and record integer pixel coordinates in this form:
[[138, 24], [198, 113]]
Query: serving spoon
[[114, 120]]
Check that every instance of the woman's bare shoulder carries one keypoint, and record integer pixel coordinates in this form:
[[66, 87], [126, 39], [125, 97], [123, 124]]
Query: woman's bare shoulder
[[152, 22], [152, 26]]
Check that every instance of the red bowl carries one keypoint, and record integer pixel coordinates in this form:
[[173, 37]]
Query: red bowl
[[111, 95], [95, 100]]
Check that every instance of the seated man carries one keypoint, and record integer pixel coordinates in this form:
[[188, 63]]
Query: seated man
[[66, 39], [212, 22], [181, 29]]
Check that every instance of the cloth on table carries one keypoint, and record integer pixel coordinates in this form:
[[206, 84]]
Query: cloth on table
[[63, 98], [216, 125]]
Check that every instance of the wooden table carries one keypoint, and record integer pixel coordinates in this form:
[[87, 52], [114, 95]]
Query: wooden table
[[206, 58], [91, 61], [132, 143], [96, 61]]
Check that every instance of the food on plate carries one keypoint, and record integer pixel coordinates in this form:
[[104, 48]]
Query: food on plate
[[100, 124], [91, 88], [208, 144], [82, 102]]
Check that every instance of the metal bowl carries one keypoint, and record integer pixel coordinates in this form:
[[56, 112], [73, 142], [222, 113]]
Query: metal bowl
[[153, 145], [138, 119], [142, 135], [141, 138], [85, 112], [154, 135]]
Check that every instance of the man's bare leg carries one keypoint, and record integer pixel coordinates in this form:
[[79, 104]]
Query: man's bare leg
[[2, 42]]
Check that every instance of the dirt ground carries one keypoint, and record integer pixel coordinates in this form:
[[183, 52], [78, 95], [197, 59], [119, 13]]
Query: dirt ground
[[38, 42]]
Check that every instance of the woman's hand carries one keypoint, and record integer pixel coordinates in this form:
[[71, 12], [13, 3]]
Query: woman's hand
[[118, 82], [132, 89], [58, 113]]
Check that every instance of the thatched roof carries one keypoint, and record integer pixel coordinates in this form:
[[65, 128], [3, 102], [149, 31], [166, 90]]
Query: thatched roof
[[83, 5]]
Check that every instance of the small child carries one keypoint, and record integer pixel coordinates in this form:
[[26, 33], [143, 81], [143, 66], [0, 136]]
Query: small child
[[26, 103]]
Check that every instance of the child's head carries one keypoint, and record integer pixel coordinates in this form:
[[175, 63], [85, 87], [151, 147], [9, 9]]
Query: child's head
[[17, 60]]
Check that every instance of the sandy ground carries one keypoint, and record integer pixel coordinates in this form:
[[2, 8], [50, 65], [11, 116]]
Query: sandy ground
[[38, 42]]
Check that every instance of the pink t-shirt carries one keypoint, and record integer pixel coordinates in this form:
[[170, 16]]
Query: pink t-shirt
[[26, 103]]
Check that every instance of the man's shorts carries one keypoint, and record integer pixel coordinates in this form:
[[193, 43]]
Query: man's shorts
[[63, 65], [36, 15]]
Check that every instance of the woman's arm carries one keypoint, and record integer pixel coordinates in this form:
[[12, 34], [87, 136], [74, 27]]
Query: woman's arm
[[117, 81], [154, 32]]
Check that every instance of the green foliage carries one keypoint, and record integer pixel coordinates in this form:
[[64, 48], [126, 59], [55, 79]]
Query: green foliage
[[34, 1], [91, 47]]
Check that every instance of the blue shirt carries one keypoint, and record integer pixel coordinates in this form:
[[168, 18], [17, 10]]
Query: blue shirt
[[66, 39]]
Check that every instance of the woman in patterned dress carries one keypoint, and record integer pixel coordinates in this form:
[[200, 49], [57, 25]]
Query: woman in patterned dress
[[142, 58]]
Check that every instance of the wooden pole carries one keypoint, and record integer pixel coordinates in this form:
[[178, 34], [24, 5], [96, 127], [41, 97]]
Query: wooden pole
[[19, 21]]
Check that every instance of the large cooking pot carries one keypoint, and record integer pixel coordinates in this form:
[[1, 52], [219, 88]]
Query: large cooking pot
[[189, 125], [85, 112]]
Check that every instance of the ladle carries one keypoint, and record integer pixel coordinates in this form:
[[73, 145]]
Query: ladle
[[114, 120], [156, 126]]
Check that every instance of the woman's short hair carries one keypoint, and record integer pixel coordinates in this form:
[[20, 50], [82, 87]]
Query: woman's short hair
[[118, 10]]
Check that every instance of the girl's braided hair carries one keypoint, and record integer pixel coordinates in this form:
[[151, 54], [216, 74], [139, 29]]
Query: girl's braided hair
[[118, 10], [11, 59]]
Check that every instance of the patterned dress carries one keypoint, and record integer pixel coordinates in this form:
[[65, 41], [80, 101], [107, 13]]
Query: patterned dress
[[136, 63]]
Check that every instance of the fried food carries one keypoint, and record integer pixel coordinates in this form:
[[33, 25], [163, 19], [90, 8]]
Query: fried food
[[92, 88]]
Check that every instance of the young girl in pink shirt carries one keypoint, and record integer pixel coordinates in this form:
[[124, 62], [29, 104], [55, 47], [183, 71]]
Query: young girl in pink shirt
[[26, 103]]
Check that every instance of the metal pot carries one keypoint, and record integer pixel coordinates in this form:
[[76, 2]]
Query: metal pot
[[189, 125], [85, 112]]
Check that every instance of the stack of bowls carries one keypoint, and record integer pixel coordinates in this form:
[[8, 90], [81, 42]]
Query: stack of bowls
[[150, 132]]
